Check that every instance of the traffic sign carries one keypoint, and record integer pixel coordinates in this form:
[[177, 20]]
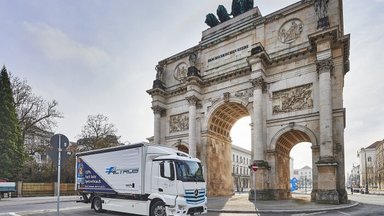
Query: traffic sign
[[59, 140]]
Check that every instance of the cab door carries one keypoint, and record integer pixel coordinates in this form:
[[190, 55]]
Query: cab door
[[164, 183]]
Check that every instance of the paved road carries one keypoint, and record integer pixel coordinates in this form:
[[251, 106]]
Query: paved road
[[369, 205]]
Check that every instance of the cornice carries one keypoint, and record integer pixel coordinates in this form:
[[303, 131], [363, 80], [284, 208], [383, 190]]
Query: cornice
[[157, 91], [227, 76], [332, 34]]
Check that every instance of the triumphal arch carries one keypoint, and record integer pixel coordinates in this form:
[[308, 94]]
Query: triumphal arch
[[286, 71]]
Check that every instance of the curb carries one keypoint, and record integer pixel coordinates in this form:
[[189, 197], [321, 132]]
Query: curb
[[353, 204]]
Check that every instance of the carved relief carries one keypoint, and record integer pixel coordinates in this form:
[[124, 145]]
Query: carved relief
[[293, 99], [192, 100], [246, 93], [259, 83], [158, 110], [321, 9], [160, 72], [290, 30], [178, 123], [226, 96], [181, 71], [213, 100], [192, 59], [325, 65]]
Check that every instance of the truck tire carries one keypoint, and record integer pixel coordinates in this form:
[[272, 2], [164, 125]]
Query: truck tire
[[158, 209], [97, 204]]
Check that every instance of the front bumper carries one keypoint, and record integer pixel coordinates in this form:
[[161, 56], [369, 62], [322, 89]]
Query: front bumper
[[182, 208]]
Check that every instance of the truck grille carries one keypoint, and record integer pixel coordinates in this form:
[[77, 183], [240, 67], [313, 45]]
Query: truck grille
[[198, 210], [195, 196]]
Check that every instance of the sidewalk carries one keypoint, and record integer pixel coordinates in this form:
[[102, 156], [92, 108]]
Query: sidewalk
[[239, 203]]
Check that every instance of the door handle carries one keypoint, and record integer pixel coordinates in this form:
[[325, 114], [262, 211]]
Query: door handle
[[161, 189]]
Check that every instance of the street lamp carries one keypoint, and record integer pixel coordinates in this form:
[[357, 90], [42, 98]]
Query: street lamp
[[366, 172]]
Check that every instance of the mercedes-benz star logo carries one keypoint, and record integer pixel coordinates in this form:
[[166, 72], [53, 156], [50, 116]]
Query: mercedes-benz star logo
[[196, 193]]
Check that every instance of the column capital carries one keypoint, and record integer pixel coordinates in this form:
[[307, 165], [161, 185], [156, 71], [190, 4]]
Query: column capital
[[259, 83], [325, 65], [192, 100], [158, 109]]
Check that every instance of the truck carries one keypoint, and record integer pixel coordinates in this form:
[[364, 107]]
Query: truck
[[142, 179]]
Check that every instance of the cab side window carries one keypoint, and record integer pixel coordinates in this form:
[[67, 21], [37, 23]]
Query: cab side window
[[167, 170]]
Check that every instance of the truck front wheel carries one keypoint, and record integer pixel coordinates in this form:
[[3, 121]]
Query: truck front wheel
[[158, 209], [97, 204]]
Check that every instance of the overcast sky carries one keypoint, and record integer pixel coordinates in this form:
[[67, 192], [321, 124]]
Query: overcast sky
[[98, 56]]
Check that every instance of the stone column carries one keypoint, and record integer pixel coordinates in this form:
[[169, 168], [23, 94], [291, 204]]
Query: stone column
[[327, 165], [157, 111], [257, 121], [324, 69], [192, 101]]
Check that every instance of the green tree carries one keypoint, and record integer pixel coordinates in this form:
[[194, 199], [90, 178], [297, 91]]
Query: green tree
[[12, 153], [97, 133]]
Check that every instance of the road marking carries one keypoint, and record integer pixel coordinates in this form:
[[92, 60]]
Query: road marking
[[9, 214], [305, 214], [343, 213], [40, 211]]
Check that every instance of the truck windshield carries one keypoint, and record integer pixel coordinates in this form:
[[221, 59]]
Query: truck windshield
[[189, 171]]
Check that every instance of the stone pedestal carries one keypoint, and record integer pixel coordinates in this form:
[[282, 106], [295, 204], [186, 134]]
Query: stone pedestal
[[327, 178]]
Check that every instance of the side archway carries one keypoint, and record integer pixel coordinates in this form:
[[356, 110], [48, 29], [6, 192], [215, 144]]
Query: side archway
[[281, 145]]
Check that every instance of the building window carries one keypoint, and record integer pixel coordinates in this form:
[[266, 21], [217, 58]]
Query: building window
[[369, 159]]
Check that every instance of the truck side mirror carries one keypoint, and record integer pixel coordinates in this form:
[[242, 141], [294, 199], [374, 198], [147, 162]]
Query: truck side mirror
[[167, 170]]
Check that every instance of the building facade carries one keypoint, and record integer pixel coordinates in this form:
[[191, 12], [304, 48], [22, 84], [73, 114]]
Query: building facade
[[286, 71], [304, 178], [379, 165], [241, 173], [367, 158], [37, 143]]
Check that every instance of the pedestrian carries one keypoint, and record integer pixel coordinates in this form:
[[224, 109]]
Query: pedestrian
[[351, 190]]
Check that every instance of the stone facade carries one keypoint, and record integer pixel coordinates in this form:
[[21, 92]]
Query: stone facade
[[286, 71], [367, 156], [379, 166]]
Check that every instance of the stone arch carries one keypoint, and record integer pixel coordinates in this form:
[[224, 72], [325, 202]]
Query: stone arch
[[212, 109], [281, 144], [220, 120], [181, 146], [311, 135]]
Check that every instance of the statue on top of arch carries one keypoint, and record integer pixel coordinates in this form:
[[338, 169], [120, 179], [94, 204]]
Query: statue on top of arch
[[238, 7]]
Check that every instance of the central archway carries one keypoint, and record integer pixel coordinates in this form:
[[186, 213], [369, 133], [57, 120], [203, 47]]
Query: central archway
[[219, 143]]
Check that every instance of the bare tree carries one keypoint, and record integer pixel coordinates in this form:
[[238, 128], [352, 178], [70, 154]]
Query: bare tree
[[35, 115], [97, 133]]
